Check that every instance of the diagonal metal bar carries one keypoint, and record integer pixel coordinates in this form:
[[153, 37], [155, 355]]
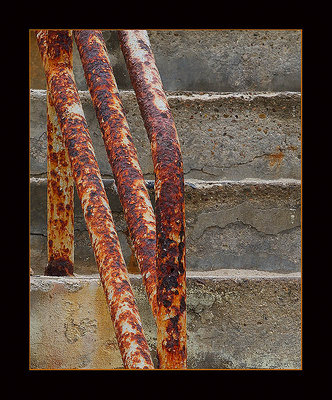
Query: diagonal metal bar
[[60, 200], [55, 47], [121, 153], [169, 194]]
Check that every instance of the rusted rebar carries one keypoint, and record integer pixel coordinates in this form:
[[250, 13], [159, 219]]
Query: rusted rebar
[[169, 195], [55, 47], [60, 200], [121, 153]]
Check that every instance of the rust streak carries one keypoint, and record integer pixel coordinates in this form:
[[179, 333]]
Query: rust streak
[[169, 195], [55, 47]]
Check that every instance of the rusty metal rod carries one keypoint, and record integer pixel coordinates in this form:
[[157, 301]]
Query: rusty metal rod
[[55, 47], [122, 154], [60, 200], [169, 195]]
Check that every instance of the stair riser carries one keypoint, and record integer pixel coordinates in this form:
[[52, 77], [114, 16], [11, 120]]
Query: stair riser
[[207, 60], [222, 136], [250, 225], [231, 323]]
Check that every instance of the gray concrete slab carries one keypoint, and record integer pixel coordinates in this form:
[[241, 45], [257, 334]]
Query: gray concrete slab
[[223, 136], [221, 60], [249, 224], [206, 60], [235, 320]]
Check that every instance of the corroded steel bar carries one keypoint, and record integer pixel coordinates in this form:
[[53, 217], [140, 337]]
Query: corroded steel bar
[[122, 154], [60, 200], [54, 48], [169, 194]]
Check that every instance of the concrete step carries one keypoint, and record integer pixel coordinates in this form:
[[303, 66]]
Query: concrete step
[[238, 116], [247, 224], [235, 320], [223, 136], [206, 60]]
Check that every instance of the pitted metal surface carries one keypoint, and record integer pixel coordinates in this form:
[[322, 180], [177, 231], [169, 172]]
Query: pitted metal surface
[[169, 196], [55, 49], [60, 200], [122, 154]]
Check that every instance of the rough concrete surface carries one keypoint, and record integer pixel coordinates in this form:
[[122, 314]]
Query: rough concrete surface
[[223, 136], [249, 224], [205, 60], [235, 98], [236, 319]]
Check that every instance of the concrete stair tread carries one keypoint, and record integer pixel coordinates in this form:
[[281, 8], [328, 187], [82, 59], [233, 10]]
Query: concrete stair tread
[[235, 319], [238, 59], [222, 135], [215, 274], [246, 224]]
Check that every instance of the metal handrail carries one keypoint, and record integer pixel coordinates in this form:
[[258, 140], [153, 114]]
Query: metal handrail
[[158, 238], [122, 155], [169, 196], [60, 200], [55, 48]]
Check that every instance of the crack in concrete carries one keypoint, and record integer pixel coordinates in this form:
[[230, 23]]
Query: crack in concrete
[[38, 234], [239, 223]]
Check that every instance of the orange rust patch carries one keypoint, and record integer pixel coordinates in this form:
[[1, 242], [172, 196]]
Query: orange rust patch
[[132, 265], [276, 158], [122, 156], [169, 196], [134, 349]]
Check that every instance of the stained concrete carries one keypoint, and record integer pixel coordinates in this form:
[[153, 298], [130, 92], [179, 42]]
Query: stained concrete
[[242, 162], [223, 136], [249, 224], [235, 319], [205, 60]]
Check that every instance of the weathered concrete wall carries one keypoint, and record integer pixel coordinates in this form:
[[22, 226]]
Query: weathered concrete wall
[[248, 224], [222, 136], [235, 320], [207, 60]]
